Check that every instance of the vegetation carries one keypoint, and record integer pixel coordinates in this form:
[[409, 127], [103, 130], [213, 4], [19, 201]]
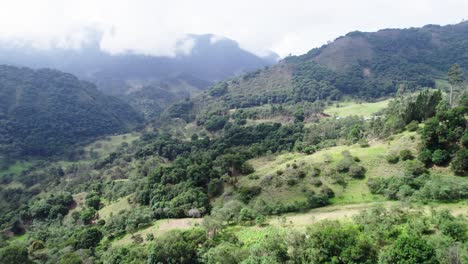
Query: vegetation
[[245, 175], [45, 111]]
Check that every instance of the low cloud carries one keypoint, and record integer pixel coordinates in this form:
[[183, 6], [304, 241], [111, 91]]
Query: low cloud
[[162, 27]]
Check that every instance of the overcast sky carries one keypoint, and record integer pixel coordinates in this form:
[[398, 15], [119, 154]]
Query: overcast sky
[[155, 27]]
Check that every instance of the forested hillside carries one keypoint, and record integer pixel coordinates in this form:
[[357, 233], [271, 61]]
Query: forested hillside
[[361, 65], [42, 112], [356, 152]]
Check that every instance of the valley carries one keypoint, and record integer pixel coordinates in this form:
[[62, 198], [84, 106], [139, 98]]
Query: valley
[[354, 152]]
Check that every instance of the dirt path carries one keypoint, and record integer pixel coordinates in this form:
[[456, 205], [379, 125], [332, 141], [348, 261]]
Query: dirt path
[[297, 220]]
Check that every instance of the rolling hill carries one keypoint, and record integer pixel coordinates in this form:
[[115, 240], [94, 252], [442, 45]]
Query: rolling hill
[[363, 65], [44, 111]]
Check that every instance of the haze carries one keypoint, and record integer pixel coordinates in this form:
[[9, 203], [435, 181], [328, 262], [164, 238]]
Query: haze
[[161, 27]]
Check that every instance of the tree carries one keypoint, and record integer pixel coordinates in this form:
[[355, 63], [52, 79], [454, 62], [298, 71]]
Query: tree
[[333, 242], [88, 238], [407, 249], [177, 247], [93, 200], [455, 78], [14, 254]]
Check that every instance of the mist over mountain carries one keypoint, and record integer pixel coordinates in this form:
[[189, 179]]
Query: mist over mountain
[[364, 65], [207, 57]]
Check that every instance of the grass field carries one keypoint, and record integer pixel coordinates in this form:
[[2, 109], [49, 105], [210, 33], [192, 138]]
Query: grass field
[[110, 144], [344, 109], [158, 228], [114, 208], [16, 168]]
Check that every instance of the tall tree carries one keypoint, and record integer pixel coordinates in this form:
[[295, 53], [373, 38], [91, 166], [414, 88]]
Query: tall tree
[[455, 78]]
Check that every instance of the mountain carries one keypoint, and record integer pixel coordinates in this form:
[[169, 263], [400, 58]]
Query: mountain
[[267, 167], [211, 58], [365, 65], [44, 111]]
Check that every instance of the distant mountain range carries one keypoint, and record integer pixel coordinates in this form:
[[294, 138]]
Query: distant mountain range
[[212, 58]]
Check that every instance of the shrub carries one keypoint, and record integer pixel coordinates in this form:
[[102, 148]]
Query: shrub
[[363, 143], [88, 238], [460, 162], [392, 158], [291, 182], [301, 174], [327, 191], [317, 200], [93, 200], [344, 164], [357, 171], [215, 187], [425, 156], [246, 168], [413, 126], [247, 193], [315, 172], [246, 214], [409, 249], [405, 154], [177, 247], [440, 157], [316, 182], [415, 167]]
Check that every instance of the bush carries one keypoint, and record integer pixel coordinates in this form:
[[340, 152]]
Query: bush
[[440, 157], [409, 249], [93, 201], [247, 193], [327, 191], [460, 162], [363, 143], [392, 158], [413, 126], [88, 238], [344, 164], [425, 156], [246, 168], [357, 171], [414, 168], [177, 247], [291, 182], [317, 200], [405, 154], [316, 182], [215, 187], [14, 254]]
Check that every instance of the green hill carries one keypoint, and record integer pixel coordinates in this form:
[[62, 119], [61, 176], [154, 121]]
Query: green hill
[[42, 112]]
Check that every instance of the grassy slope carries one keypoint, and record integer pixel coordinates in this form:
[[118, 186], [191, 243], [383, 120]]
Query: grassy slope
[[110, 144], [356, 191], [17, 168], [344, 109], [158, 228], [349, 200]]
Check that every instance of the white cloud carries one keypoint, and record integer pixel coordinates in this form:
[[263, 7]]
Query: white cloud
[[160, 27]]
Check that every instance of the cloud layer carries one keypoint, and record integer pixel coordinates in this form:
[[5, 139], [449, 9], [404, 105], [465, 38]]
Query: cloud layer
[[161, 27]]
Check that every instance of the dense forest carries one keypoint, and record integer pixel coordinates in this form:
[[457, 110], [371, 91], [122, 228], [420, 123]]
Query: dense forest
[[318, 159], [42, 112]]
